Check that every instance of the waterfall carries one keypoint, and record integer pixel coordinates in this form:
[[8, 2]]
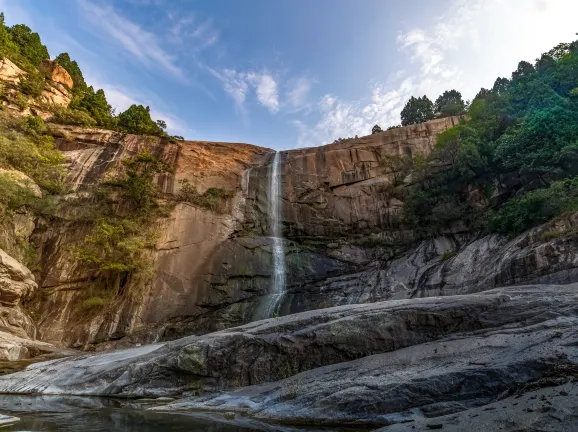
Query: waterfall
[[278, 289]]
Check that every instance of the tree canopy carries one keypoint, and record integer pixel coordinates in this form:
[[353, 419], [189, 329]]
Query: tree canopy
[[376, 129], [449, 103], [417, 110], [516, 148], [89, 106], [137, 119]]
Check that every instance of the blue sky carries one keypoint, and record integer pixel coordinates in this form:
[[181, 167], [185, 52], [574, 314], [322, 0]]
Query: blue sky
[[291, 73]]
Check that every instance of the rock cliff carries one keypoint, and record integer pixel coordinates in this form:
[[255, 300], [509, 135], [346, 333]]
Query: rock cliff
[[372, 328], [344, 243]]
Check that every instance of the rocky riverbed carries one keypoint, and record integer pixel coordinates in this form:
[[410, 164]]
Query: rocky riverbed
[[418, 360]]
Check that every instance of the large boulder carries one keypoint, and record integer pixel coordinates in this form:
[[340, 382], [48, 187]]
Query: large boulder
[[57, 73], [9, 72], [16, 281]]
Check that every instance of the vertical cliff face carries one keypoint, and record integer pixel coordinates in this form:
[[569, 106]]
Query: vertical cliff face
[[346, 188], [340, 224]]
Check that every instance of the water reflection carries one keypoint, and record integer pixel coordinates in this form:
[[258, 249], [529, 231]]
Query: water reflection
[[92, 414], [77, 414]]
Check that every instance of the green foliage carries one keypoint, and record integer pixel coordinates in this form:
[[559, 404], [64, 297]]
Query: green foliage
[[22, 148], [535, 207], [136, 181], [449, 103], [524, 131], [417, 110], [94, 302], [96, 106], [69, 116], [29, 44], [447, 255], [15, 194], [34, 125], [19, 100], [73, 69], [32, 84], [376, 129], [115, 246], [137, 120], [214, 199], [118, 244]]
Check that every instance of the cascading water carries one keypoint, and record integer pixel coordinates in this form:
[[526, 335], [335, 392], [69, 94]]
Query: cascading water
[[278, 288]]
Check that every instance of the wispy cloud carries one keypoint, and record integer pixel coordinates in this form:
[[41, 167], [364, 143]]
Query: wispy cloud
[[197, 34], [448, 54], [239, 86], [140, 43], [266, 89], [298, 93]]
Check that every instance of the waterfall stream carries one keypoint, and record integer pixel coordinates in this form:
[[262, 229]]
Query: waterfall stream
[[278, 287]]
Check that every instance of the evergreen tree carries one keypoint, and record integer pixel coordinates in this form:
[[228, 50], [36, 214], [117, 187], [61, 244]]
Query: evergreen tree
[[449, 103], [29, 44], [417, 110]]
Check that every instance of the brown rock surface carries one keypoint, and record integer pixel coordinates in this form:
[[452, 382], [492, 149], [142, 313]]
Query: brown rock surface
[[58, 74]]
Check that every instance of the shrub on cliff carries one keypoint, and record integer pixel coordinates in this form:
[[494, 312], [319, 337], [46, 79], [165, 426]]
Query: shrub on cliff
[[535, 207], [69, 116], [214, 199]]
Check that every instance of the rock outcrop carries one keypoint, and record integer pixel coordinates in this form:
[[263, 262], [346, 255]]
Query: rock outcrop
[[57, 73], [380, 363], [213, 271], [17, 329]]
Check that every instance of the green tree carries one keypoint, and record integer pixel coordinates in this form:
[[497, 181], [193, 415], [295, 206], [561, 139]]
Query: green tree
[[449, 103], [376, 129], [137, 120], [417, 110], [29, 43], [7, 46], [96, 105]]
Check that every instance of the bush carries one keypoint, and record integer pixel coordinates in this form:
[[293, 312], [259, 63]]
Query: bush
[[34, 125], [535, 207], [34, 154], [214, 199], [19, 100], [32, 84], [95, 303], [72, 117]]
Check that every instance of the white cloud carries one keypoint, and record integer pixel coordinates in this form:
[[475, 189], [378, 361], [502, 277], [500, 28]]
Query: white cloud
[[298, 95], [266, 89], [240, 84], [468, 47], [196, 35], [143, 45]]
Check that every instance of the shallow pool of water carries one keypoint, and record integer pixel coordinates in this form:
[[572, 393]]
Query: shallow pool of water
[[78, 414], [87, 414]]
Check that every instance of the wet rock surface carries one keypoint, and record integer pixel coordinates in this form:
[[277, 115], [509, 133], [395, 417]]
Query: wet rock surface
[[365, 364]]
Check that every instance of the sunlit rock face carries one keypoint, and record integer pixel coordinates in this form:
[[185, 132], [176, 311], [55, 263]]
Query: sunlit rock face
[[17, 329], [339, 218]]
